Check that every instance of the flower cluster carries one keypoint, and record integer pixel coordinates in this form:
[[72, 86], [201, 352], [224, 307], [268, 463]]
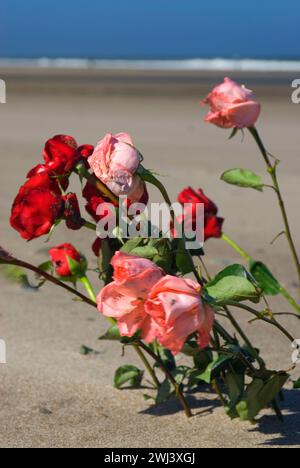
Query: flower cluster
[[149, 299]]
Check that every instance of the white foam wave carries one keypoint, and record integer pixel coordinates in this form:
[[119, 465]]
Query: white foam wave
[[171, 65]]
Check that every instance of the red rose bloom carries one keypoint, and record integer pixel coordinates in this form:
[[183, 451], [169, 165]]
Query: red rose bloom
[[36, 207], [60, 256], [212, 223], [72, 213], [60, 154]]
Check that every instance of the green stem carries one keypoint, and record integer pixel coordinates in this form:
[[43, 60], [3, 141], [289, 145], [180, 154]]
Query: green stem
[[217, 389], [147, 365], [147, 176], [177, 387], [245, 338], [272, 170], [248, 259], [259, 316], [90, 226], [290, 299], [89, 288], [236, 247]]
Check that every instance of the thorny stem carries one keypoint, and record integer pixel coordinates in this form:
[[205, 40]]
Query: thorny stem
[[272, 170], [264, 319], [177, 387]]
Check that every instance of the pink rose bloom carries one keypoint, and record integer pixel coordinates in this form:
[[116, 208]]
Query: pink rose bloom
[[232, 106], [124, 298], [115, 162], [176, 307]]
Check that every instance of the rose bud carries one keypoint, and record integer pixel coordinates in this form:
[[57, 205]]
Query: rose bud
[[84, 152], [212, 223], [72, 213], [115, 162], [124, 298], [175, 305], [232, 106], [67, 261], [37, 207], [60, 154]]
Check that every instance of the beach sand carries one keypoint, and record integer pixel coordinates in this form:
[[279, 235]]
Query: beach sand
[[50, 395]]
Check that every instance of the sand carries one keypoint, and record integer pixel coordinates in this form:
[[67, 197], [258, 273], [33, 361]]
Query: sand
[[50, 395]]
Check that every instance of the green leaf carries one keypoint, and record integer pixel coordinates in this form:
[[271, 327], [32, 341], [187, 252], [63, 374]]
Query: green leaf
[[259, 395], [233, 288], [130, 375], [132, 244], [85, 350], [265, 279], [235, 384], [297, 384], [145, 252], [233, 133], [112, 334], [231, 270], [165, 392], [183, 260], [167, 358], [243, 178], [213, 370], [202, 359], [16, 275]]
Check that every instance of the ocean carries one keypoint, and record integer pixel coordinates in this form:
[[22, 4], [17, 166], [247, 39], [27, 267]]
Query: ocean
[[214, 64]]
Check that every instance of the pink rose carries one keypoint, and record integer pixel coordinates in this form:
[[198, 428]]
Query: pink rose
[[124, 298], [135, 275], [115, 162], [177, 310], [232, 106]]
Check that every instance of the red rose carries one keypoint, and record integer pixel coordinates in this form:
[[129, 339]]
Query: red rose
[[94, 198], [212, 223], [61, 256], [96, 247], [72, 213], [60, 154], [36, 207], [84, 152]]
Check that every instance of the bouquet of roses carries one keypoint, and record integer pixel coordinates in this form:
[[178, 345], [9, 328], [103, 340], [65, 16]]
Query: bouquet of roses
[[157, 293]]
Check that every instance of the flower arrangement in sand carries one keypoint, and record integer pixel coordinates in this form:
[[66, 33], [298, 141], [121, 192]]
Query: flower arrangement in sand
[[156, 292]]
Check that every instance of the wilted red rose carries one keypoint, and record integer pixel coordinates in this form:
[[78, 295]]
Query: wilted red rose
[[61, 256], [36, 207], [72, 213], [60, 154], [84, 152], [212, 223]]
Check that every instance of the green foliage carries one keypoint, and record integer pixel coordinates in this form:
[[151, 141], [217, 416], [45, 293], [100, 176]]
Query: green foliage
[[129, 375], [16, 275], [233, 284], [243, 178], [265, 279], [297, 384], [259, 395]]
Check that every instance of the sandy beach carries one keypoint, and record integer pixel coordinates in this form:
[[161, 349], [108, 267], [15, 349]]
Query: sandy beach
[[50, 395]]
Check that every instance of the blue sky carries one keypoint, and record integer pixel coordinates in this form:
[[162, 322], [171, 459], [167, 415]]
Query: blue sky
[[150, 28]]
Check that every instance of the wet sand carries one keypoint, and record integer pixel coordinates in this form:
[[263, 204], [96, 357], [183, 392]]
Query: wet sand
[[50, 395]]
